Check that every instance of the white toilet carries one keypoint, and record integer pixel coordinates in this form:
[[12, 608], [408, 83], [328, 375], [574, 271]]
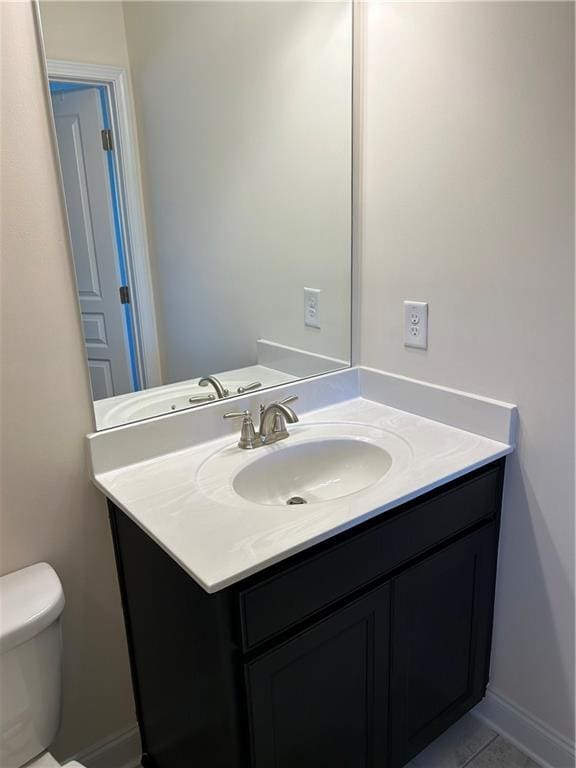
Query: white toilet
[[31, 603]]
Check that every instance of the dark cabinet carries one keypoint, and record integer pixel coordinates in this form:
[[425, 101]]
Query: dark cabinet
[[441, 632], [321, 697], [354, 654]]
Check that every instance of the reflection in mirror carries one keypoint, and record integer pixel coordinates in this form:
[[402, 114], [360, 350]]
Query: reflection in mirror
[[205, 150]]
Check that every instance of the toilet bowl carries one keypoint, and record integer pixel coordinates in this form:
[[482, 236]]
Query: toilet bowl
[[31, 604]]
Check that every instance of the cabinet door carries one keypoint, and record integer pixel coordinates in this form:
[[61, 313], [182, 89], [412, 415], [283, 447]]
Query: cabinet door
[[442, 623], [320, 699]]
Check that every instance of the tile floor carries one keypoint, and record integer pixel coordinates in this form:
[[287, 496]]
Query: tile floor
[[472, 744]]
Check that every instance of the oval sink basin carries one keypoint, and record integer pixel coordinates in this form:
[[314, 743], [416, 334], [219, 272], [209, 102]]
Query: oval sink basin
[[320, 462], [313, 471]]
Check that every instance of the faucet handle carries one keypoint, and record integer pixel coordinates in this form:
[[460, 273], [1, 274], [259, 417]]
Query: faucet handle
[[248, 437], [201, 398], [286, 401], [249, 387], [289, 399], [237, 415]]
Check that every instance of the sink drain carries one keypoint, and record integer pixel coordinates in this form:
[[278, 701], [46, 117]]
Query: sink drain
[[296, 500]]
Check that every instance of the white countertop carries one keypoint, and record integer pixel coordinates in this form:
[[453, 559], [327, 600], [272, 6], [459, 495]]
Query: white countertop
[[219, 542]]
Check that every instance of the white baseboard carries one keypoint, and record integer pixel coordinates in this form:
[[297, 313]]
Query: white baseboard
[[536, 739], [120, 750]]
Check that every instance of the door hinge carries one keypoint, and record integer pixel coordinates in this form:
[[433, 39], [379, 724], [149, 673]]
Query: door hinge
[[124, 294], [107, 143]]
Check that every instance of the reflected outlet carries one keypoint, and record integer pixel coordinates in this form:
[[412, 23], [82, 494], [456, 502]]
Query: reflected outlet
[[312, 307]]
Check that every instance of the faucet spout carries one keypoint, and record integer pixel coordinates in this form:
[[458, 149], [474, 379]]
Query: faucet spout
[[273, 420], [221, 391]]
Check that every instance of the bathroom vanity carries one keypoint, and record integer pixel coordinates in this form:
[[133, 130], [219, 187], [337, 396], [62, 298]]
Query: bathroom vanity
[[358, 652], [350, 631]]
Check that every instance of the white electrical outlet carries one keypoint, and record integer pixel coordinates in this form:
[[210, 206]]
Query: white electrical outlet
[[312, 307], [416, 324]]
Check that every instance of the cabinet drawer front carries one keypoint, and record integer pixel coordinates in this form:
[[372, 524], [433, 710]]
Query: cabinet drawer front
[[279, 602]]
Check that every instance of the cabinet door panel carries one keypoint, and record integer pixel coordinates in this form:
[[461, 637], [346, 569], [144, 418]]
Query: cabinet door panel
[[442, 622], [320, 699]]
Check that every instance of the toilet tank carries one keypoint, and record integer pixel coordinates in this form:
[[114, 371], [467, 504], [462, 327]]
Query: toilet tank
[[31, 602]]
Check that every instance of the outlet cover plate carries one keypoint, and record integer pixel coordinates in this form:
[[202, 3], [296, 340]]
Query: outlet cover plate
[[312, 307], [416, 324]]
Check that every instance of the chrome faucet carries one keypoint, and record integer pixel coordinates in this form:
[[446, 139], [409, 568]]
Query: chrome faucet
[[273, 418], [221, 391]]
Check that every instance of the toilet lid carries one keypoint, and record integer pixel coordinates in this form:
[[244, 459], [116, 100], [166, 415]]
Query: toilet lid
[[30, 599]]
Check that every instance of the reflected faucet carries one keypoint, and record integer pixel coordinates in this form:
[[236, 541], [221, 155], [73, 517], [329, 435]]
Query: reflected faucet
[[221, 391]]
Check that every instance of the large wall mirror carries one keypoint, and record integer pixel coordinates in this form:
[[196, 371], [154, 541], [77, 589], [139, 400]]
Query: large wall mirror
[[205, 150]]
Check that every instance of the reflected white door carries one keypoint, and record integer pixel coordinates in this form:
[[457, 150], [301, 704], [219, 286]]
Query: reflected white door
[[79, 121]]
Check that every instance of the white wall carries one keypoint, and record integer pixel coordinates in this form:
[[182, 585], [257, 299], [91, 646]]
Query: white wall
[[49, 509], [244, 119], [468, 203]]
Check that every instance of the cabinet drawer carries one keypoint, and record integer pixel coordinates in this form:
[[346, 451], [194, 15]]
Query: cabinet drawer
[[274, 604]]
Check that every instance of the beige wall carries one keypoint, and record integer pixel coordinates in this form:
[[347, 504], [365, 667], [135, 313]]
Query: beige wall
[[90, 32], [49, 510], [468, 203]]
